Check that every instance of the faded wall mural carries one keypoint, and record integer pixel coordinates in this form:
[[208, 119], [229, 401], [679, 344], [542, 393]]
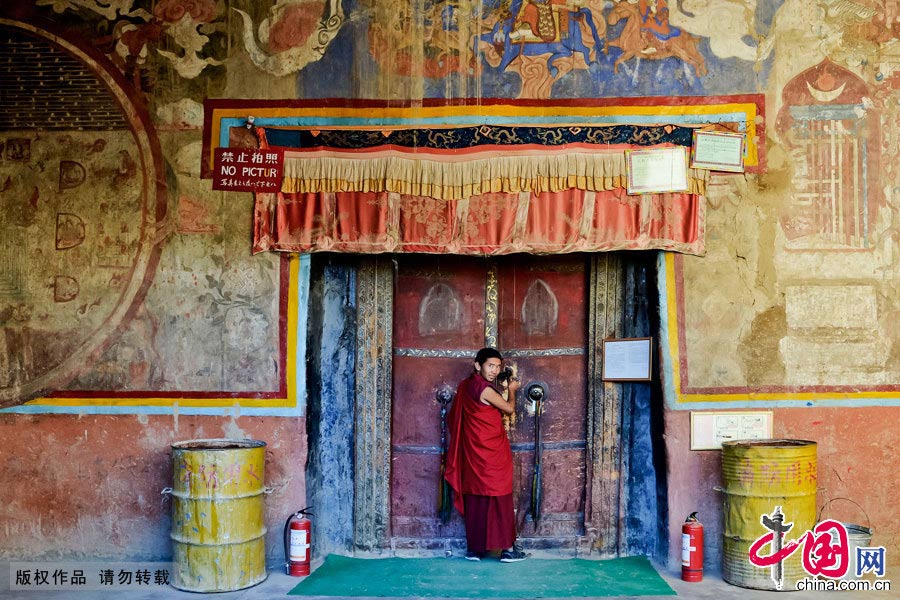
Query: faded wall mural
[[104, 222], [806, 289], [815, 228], [545, 48]]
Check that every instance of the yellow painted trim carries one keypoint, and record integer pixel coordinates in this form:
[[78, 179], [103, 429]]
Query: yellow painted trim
[[225, 402], [183, 402], [774, 397], [672, 310]]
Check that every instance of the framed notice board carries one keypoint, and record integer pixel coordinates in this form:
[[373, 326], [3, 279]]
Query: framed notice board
[[718, 151], [627, 359], [656, 171]]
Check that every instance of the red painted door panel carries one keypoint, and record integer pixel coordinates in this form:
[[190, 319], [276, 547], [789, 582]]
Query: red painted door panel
[[534, 310]]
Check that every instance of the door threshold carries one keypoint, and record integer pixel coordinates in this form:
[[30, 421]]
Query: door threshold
[[548, 547]]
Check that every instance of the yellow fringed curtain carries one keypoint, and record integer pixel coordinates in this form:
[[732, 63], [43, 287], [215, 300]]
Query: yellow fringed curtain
[[490, 199], [457, 177]]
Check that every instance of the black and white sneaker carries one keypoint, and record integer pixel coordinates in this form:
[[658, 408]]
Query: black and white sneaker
[[474, 556], [514, 555]]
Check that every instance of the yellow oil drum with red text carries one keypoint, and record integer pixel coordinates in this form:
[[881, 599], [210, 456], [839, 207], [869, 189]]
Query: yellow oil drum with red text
[[218, 525], [757, 476]]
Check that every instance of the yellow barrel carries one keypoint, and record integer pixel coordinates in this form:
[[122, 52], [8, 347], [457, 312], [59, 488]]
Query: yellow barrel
[[218, 527], [758, 476]]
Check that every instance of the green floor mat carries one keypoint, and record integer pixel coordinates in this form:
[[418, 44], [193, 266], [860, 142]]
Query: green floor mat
[[458, 578]]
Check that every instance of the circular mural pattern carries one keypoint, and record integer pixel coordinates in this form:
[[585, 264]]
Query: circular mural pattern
[[82, 202]]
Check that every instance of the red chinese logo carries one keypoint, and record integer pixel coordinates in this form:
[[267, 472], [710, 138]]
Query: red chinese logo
[[826, 549]]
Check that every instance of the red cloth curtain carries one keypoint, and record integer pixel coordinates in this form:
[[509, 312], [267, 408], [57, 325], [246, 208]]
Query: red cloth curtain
[[571, 220]]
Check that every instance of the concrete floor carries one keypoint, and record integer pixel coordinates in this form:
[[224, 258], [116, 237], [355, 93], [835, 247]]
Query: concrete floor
[[278, 584]]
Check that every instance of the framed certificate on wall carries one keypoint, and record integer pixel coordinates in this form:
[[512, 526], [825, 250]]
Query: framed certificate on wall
[[656, 171], [627, 359], [718, 151]]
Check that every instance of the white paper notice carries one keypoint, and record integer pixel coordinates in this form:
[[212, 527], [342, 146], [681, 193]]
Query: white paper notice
[[656, 171], [626, 359], [710, 429]]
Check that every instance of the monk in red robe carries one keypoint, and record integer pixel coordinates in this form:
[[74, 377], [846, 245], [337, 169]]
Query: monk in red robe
[[479, 460]]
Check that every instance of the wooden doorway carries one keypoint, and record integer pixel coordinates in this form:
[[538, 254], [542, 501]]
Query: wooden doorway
[[535, 311]]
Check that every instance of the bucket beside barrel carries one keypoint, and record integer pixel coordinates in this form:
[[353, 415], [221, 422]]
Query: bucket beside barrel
[[858, 536], [218, 525], [758, 476]]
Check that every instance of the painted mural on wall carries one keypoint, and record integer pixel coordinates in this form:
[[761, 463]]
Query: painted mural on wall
[[81, 212], [103, 226], [807, 290], [436, 48], [796, 301], [809, 244], [76, 246], [547, 48]]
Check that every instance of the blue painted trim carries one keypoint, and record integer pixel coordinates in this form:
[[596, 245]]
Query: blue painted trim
[[331, 419], [764, 404], [302, 325], [665, 356]]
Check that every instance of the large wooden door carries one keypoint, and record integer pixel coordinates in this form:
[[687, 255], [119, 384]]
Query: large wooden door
[[533, 309]]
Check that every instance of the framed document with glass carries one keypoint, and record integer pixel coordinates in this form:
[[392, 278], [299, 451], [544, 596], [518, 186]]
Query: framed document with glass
[[656, 171], [627, 359], [718, 151]]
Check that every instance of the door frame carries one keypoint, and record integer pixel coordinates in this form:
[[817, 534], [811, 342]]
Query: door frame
[[605, 480]]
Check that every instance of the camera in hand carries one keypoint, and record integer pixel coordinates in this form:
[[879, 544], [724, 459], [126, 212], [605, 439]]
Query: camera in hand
[[504, 375]]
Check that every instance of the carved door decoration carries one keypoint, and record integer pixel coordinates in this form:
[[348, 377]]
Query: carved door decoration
[[533, 309]]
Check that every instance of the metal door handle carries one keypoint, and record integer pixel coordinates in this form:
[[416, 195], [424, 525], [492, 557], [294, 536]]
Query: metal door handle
[[536, 392], [444, 395]]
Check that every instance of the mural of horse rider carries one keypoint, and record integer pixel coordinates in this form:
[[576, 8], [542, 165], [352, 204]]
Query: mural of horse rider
[[648, 34], [538, 27], [655, 22]]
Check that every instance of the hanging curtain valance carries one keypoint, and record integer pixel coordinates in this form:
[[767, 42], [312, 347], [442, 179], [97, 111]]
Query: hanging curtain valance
[[485, 190], [571, 220], [460, 162], [457, 176]]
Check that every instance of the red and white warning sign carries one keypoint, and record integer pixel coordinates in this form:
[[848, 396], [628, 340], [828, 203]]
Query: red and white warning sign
[[248, 169]]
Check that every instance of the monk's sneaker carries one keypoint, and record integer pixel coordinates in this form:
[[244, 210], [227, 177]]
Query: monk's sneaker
[[514, 555]]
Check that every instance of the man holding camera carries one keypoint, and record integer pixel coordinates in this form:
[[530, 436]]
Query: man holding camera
[[479, 460]]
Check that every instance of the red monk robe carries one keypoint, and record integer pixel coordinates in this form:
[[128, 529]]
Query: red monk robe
[[479, 468]]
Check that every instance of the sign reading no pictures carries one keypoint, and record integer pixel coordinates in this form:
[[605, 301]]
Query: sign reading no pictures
[[248, 169]]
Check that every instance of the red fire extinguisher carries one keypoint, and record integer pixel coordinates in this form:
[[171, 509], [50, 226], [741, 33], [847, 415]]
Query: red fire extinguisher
[[297, 541], [692, 549]]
